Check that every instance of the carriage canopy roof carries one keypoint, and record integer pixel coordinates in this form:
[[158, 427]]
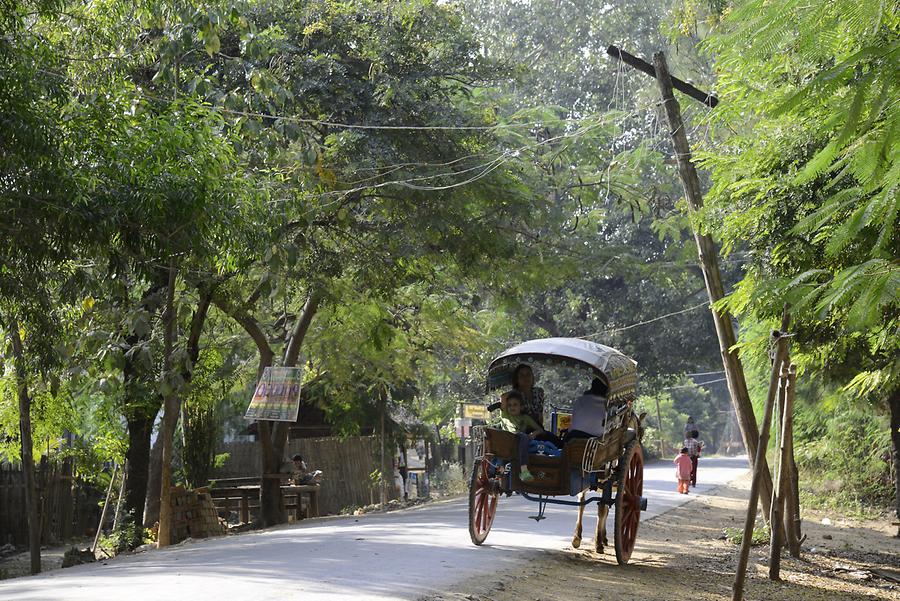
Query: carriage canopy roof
[[619, 371]]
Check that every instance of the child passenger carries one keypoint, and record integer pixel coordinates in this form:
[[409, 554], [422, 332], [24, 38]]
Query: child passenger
[[683, 468], [513, 419]]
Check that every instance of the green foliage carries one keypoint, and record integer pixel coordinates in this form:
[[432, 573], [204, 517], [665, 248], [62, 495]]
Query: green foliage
[[201, 419], [759, 537], [804, 180], [676, 403], [449, 479], [123, 537], [843, 453], [814, 183]]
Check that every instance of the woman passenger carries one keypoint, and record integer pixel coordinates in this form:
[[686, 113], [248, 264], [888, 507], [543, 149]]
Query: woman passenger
[[532, 396]]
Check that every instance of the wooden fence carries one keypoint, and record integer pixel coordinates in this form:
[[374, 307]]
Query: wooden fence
[[345, 462], [66, 508]]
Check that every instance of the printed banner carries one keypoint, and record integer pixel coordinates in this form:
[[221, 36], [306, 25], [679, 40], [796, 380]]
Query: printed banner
[[277, 395]]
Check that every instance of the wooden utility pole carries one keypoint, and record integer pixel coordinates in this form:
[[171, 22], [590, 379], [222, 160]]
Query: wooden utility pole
[[709, 260], [709, 263], [659, 428], [120, 502], [780, 355]]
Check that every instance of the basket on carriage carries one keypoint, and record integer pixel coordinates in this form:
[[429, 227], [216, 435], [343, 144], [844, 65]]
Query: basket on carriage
[[611, 465]]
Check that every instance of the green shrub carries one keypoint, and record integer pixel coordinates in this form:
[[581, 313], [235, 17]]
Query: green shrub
[[842, 448], [449, 479], [760, 535]]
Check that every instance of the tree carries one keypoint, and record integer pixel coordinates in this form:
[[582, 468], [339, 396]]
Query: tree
[[37, 235], [808, 182]]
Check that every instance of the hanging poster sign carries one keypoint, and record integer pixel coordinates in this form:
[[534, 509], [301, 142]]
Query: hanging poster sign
[[277, 395]]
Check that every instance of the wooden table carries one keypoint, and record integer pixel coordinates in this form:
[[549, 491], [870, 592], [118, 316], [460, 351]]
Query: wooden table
[[245, 492], [312, 493]]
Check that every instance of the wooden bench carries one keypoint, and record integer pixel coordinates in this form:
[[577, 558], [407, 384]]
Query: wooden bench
[[245, 491]]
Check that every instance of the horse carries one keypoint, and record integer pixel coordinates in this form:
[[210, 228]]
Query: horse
[[633, 422]]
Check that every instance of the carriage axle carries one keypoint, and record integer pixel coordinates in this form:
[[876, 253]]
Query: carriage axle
[[543, 500]]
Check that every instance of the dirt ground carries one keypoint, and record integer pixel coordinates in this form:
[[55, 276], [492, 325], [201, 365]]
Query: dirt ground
[[19, 564], [682, 556]]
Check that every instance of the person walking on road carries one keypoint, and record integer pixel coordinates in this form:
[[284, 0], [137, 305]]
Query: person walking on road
[[683, 468], [690, 426], [694, 447]]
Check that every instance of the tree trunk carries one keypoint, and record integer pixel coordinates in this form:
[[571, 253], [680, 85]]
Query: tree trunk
[[151, 508], [31, 507], [894, 402], [272, 435], [140, 414], [271, 503], [137, 459], [170, 414]]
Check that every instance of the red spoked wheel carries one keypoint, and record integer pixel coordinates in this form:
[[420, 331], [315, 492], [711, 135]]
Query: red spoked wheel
[[628, 502], [483, 498]]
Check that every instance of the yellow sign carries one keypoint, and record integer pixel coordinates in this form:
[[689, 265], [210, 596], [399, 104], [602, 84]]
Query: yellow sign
[[563, 421], [473, 411]]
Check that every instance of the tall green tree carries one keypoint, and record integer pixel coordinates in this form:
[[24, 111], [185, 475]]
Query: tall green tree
[[806, 180]]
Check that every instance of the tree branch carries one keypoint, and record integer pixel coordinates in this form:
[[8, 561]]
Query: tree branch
[[253, 329]]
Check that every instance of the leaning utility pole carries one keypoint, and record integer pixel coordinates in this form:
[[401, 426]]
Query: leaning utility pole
[[709, 260]]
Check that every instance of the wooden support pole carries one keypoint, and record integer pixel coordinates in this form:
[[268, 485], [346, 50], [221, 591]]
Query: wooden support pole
[[112, 480], [120, 503], [792, 498], [749, 522], [776, 540], [659, 428], [709, 263]]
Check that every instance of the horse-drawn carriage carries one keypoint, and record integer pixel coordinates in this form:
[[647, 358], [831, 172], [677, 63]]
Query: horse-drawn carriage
[[611, 465]]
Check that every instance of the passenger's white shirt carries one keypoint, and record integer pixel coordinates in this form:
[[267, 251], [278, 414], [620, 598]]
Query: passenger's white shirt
[[589, 414]]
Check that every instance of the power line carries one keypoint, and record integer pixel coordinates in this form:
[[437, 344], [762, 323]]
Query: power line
[[642, 323], [377, 126], [693, 384]]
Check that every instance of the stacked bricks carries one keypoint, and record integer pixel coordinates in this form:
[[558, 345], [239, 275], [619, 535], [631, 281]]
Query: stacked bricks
[[194, 515]]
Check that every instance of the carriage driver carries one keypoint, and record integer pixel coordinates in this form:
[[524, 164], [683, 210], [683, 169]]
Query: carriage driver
[[589, 412]]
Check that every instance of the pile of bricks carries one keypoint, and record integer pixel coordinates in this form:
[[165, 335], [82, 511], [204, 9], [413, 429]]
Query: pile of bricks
[[194, 515]]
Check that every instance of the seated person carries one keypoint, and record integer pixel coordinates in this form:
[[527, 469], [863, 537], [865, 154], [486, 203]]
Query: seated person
[[532, 396], [589, 412], [513, 419], [301, 474]]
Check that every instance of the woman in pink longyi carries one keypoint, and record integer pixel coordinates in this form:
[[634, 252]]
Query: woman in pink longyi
[[683, 467]]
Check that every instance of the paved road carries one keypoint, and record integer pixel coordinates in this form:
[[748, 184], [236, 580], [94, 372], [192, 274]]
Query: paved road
[[400, 555]]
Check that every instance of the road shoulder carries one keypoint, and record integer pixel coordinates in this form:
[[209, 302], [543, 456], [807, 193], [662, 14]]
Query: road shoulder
[[681, 554]]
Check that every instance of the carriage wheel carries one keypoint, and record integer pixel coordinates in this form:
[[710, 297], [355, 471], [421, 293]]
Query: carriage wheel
[[628, 502], [483, 498]]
